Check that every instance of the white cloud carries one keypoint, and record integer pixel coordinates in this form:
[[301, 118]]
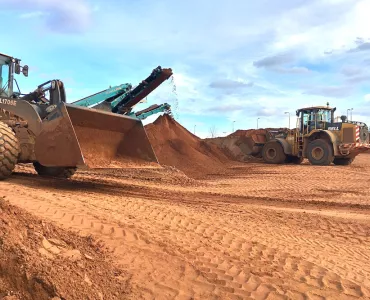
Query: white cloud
[[352, 70], [259, 67], [323, 25], [34, 14], [367, 98], [232, 37], [66, 16]]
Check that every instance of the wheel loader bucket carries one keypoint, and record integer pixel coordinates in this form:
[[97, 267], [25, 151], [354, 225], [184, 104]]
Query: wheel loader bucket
[[76, 136], [253, 144], [246, 144]]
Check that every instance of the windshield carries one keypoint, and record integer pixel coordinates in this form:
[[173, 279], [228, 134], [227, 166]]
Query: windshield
[[324, 115], [306, 118], [4, 75], [315, 119]]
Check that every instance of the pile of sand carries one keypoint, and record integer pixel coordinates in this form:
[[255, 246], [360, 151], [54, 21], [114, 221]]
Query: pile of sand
[[176, 146], [236, 147], [240, 143], [245, 145], [253, 132], [247, 132], [39, 261]]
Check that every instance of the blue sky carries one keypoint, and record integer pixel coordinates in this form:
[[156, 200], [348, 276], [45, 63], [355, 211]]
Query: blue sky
[[232, 60]]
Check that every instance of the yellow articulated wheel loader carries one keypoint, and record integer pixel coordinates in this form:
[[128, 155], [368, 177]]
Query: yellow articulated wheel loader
[[319, 137], [58, 137]]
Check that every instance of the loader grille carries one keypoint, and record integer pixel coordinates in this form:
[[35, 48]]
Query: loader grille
[[348, 135]]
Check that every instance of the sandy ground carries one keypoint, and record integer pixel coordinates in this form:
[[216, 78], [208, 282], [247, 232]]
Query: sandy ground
[[264, 232], [40, 261]]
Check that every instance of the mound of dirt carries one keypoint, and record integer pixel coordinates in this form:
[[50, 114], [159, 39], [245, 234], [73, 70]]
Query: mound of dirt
[[246, 145], [235, 147], [175, 146], [40, 261], [251, 132]]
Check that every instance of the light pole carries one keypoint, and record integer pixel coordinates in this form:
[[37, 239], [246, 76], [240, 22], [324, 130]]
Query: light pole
[[351, 114], [233, 125], [257, 122], [289, 117], [194, 128]]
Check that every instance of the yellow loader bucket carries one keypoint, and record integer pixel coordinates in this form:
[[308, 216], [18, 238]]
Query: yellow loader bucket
[[77, 136]]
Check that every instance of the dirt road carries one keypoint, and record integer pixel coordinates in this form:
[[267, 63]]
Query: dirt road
[[267, 232]]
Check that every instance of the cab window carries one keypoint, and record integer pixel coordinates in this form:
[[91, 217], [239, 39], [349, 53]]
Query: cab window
[[324, 116], [4, 73]]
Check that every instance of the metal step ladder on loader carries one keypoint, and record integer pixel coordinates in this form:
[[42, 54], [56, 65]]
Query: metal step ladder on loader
[[299, 139], [58, 137], [300, 145], [319, 139]]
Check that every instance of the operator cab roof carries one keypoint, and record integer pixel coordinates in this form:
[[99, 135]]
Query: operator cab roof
[[307, 109], [5, 58], [316, 108]]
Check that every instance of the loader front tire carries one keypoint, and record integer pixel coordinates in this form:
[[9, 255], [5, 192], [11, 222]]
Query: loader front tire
[[273, 153], [320, 153], [59, 172], [9, 151], [343, 161]]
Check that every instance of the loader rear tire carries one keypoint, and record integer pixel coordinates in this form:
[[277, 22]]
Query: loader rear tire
[[273, 153], [9, 151], [343, 161], [59, 172], [320, 153]]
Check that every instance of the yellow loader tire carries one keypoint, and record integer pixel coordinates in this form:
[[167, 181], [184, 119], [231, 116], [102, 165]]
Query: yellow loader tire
[[59, 172], [273, 153], [320, 153], [9, 151]]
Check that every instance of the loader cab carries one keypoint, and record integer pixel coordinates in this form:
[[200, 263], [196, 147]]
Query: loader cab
[[9, 66], [317, 117]]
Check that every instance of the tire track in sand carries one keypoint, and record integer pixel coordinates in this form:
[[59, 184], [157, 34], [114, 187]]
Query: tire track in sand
[[322, 240], [185, 257]]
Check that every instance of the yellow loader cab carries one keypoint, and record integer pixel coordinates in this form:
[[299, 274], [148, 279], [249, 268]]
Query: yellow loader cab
[[319, 137]]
